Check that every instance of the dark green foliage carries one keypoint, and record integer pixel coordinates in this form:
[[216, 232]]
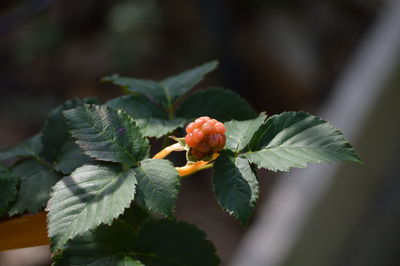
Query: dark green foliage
[[30, 147], [166, 91], [235, 185], [151, 89], [158, 242], [239, 133], [70, 158], [158, 186], [151, 120], [294, 139], [36, 180], [174, 243], [107, 245], [217, 103], [178, 85], [55, 131], [107, 134], [135, 216], [8, 188], [92, 195]]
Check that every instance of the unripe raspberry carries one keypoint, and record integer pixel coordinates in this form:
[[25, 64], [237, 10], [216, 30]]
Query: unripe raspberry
[[205, 136], [219, 128], [213, 140], [197, 154], [198, 135], [207, 128], [189, 140], [189, 128]]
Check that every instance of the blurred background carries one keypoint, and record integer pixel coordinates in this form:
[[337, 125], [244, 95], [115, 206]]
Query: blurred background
[[337, 59]]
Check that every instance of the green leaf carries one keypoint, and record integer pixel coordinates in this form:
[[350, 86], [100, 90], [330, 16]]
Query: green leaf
[[55, 131], [135, 216], [158, 185], [157, 127], [166, 91], [239, 133], [148, 116], [36, 180], [293, 139], [138, 106], [170, 243], [149, 88], [178, 85], [30, 147], [217, 103], [91, 100], [91, 195], [70, 158], [159, 242], [107, 245], [107, 134], [8, 188], [235, 185]]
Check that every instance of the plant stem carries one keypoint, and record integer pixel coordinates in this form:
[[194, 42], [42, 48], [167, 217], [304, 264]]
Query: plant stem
[[190, 169], [163, 153]]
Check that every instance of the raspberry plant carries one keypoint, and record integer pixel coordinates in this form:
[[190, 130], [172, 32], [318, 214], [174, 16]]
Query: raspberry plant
[[110, 203]]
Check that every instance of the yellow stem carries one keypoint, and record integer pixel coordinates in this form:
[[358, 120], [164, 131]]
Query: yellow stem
[[174, 147], [192, 168]]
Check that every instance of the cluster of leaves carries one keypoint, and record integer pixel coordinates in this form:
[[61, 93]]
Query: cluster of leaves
[[108, 202]]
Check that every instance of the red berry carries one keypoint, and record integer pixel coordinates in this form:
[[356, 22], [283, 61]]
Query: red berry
[[198, 135], [189, 140], [213, 140], [207, 128], [189, 128], [203, 147], [205, 136], [219, 128], [199, 122], [197, 153], [221, 141]]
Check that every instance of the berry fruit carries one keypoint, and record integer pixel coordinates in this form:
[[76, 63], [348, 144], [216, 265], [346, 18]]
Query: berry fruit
[[205, 136]]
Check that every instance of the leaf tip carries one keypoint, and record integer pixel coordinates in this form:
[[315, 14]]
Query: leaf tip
[[109, 78], [357, 159], [214, 64]]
